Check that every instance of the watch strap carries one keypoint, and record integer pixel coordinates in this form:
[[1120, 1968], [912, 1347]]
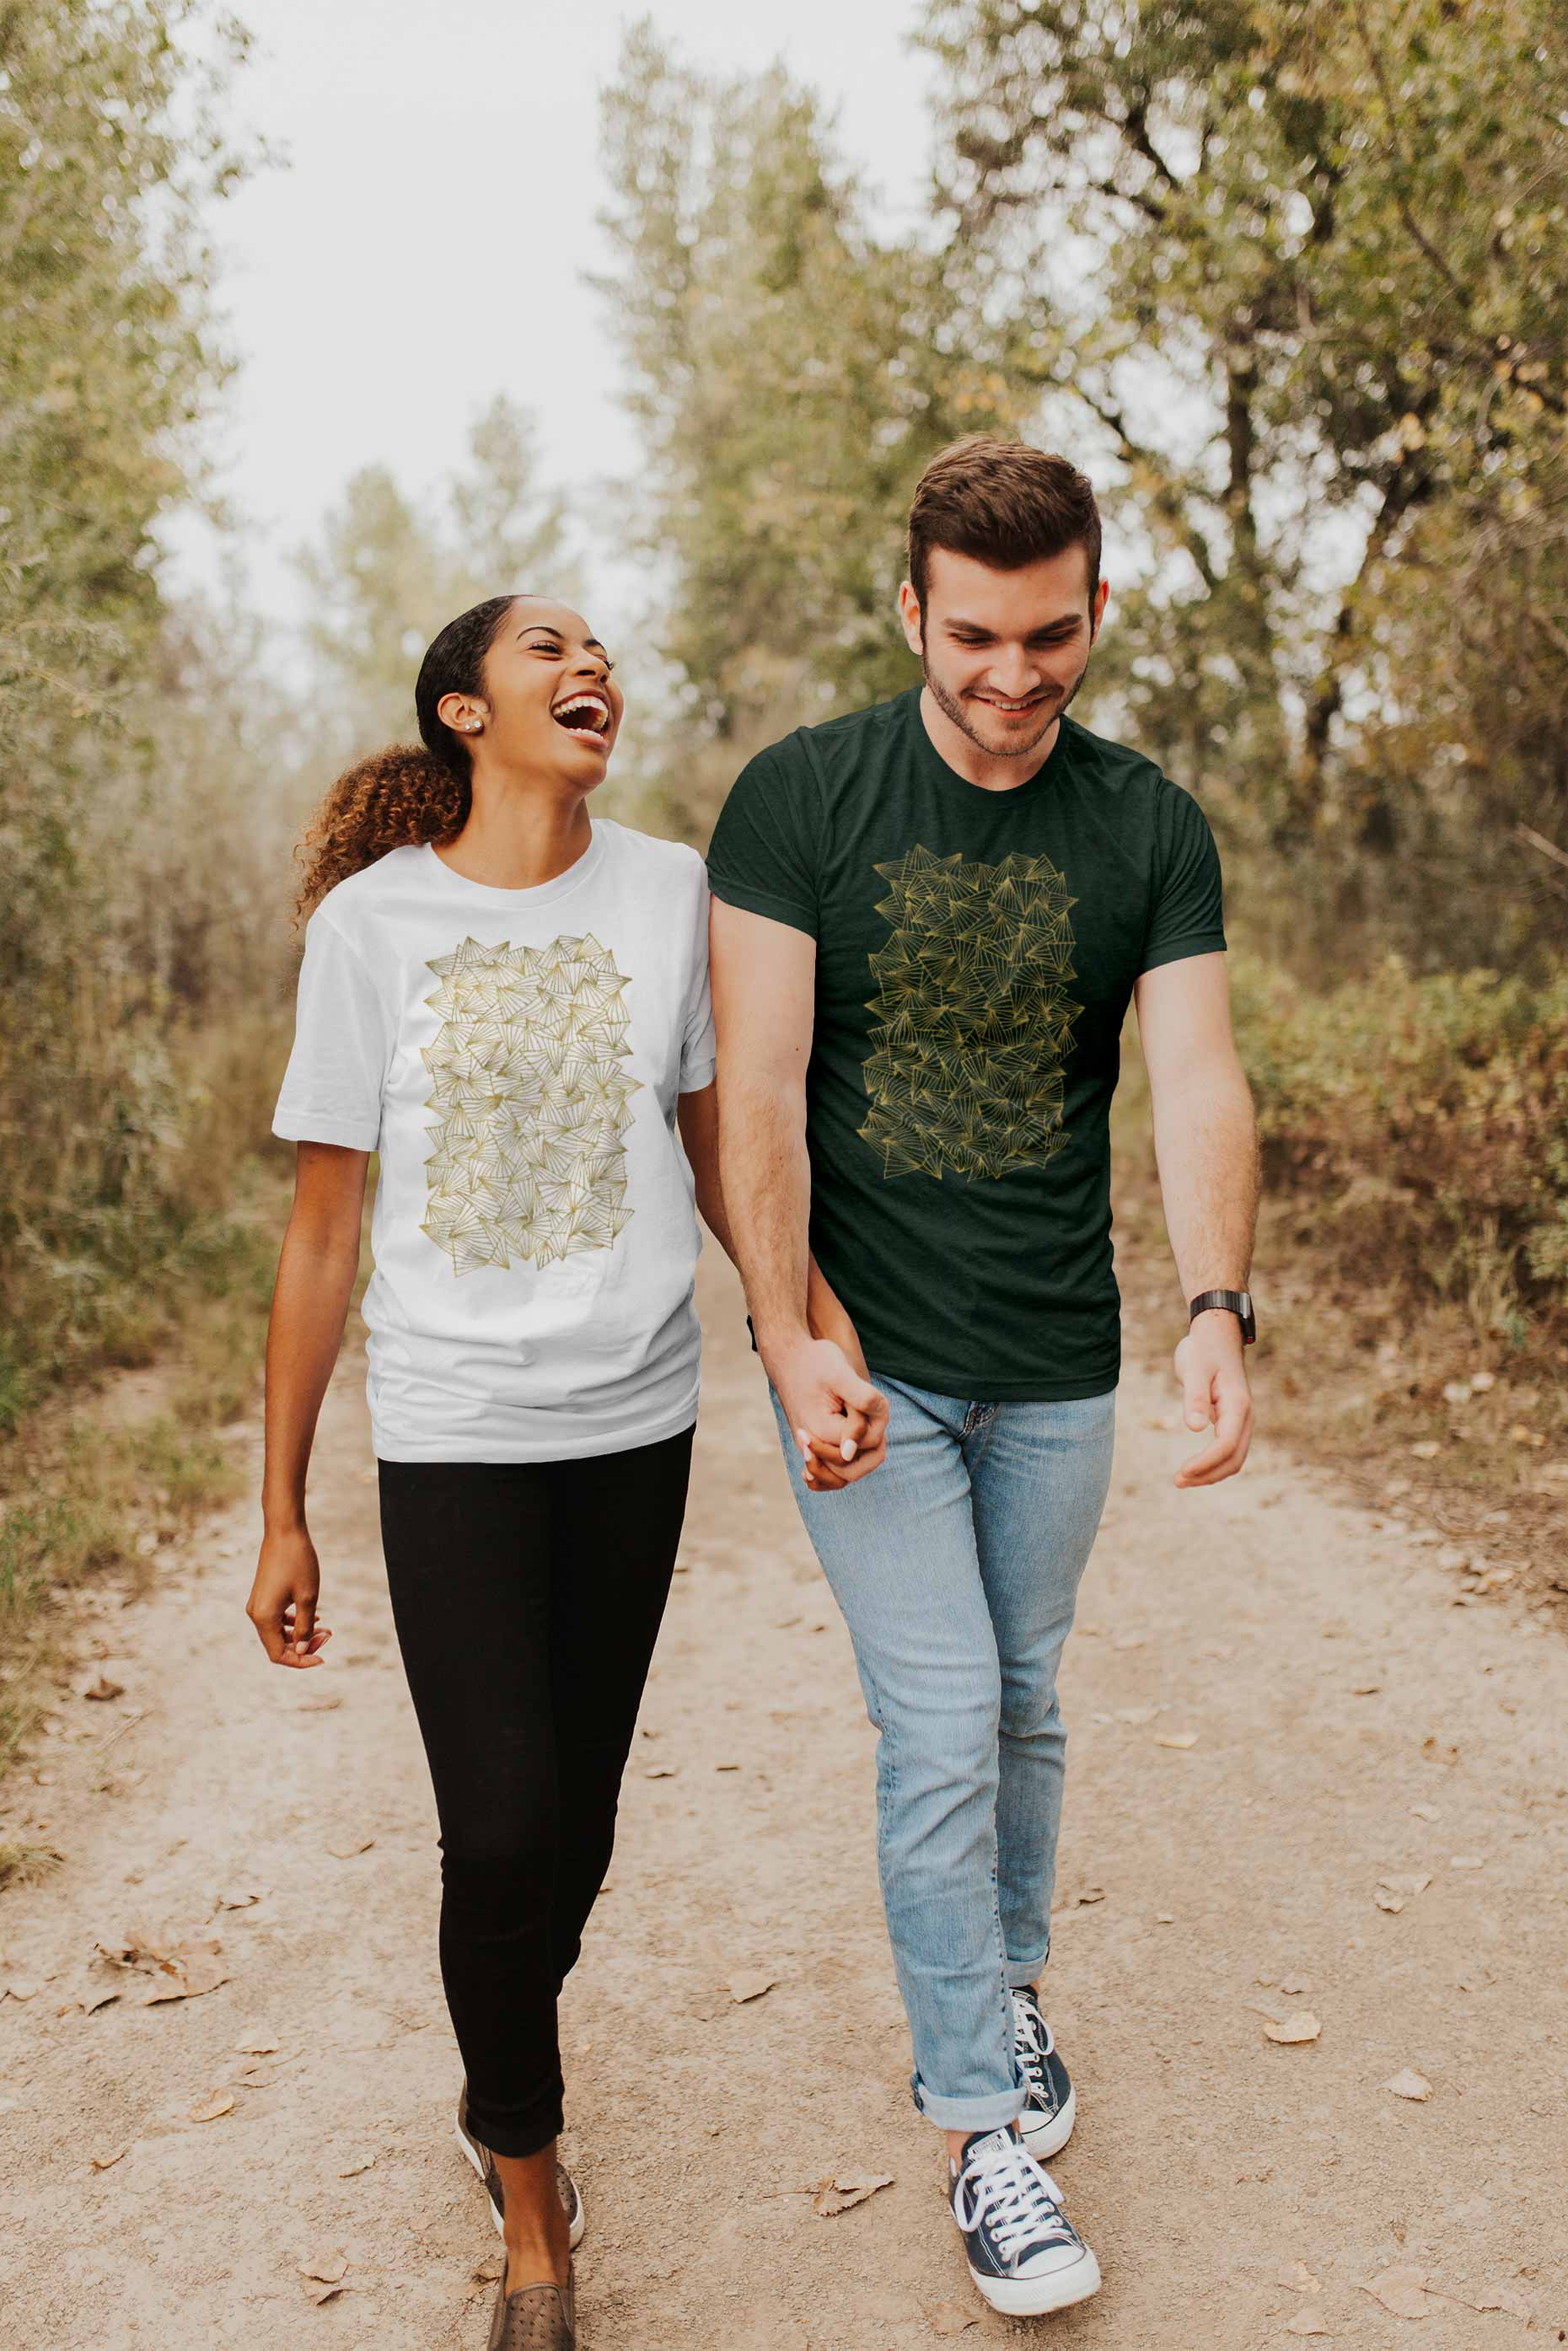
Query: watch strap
[[1234, 1301]]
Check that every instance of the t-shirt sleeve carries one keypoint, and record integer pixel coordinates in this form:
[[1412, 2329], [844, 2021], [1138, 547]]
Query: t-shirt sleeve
[[763, 854], [698, 1051], [331, 1090], [1187, 917]]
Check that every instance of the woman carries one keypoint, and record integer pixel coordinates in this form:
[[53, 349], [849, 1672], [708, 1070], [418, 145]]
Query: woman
[[509, 1001]]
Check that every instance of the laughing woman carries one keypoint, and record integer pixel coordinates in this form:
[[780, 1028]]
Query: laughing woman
[[509, 1001]]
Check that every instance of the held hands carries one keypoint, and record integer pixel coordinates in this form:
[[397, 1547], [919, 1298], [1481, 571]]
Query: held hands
[[1212, 1370], [840, 1420], [282, 1603]]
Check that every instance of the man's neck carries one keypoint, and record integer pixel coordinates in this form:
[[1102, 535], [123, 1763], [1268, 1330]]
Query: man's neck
[[984, 769]]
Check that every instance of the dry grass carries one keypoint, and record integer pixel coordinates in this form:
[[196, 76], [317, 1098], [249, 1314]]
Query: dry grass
[[1447, 1410]]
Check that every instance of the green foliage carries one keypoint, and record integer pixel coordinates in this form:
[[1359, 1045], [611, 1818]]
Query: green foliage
[[791, 372], [1423, 1122], [386, 573], [147, 777], [1293, 275]]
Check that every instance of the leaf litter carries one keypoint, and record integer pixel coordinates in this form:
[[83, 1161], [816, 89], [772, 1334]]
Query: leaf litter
[[182, 1968], [1409, 2083], [841, 2191]]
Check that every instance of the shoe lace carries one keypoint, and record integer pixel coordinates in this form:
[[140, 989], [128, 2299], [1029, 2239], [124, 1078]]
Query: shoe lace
[[1034, 2045], [1002, 2185]]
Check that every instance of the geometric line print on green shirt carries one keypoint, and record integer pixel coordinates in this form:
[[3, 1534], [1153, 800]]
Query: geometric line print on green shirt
[[531, 1102], [974, 1020]]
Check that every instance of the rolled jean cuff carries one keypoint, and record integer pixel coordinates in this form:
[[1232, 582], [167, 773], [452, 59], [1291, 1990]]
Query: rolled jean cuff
[[1025, 1971], [992, 2112]]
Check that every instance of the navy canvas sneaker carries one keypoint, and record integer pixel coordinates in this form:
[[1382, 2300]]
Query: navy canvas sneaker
[[1046, 2123], [1024, 2254]]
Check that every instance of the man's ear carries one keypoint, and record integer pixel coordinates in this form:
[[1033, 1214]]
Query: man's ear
[[1098, 614], [913, 620]]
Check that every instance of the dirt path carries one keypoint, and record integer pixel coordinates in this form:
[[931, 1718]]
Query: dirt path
[[1351, 1725]]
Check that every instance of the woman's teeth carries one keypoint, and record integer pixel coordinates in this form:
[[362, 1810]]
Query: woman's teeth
[[583, 714]]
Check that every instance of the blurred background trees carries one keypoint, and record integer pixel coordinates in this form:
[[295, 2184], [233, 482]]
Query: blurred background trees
[[1290, 280], [1289, 277]]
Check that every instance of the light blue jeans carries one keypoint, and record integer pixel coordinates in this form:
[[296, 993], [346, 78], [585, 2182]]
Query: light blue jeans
[[957, 1566]]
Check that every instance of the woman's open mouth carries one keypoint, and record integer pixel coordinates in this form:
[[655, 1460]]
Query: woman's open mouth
[[583, 714]]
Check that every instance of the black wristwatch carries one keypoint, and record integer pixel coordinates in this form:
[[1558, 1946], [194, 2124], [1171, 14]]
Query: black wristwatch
[[1235, 1302]]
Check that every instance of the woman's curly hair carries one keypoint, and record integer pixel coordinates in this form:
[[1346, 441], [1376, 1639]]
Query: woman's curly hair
[[410, 792]]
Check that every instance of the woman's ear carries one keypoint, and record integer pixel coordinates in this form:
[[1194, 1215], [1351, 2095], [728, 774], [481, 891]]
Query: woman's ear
[[464, 713]]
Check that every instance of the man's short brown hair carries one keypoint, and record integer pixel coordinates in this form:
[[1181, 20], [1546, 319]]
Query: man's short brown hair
[[1004, 503]]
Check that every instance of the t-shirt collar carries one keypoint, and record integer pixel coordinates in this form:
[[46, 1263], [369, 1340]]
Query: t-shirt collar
[[951, 782], [542, 893]]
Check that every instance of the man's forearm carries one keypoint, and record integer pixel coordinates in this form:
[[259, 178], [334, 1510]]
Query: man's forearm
[[1205, 1141], [767, 1181]]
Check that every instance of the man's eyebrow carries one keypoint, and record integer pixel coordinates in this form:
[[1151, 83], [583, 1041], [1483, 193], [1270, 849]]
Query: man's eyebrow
[[979, 628]]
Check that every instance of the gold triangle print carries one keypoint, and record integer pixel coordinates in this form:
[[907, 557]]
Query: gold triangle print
[[974, 1020], [530, 1103]]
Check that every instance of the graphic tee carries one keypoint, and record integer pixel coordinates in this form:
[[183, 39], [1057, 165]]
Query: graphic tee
[[975, 953], [515, 1056]]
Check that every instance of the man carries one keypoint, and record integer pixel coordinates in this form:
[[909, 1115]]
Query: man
[[929, 918]]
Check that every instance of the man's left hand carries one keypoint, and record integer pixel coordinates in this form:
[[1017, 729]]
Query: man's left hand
[[1212, 1370]]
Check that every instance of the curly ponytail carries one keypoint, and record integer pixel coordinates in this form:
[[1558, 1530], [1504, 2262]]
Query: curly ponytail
[[406, 794]]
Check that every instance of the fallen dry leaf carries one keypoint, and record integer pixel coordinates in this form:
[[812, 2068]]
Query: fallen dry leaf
[[1503, 2298], [240, 1898], [350, 1847], [105, 2162], [949, 2318], [1294, 1986], [842, 2190], [328, 2267], [660, 1772], [195, 1972], [1177, 1739], [750, 1987], [1305, 2322], [1408, 2084], [1402, 2290], [357, 2164], [1302, 2025], [21, 1987], [219, 2103], [102, 1687], [320, 2294]]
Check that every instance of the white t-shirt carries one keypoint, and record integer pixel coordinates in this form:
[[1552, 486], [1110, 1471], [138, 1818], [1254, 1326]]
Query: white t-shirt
[[514, 1057]]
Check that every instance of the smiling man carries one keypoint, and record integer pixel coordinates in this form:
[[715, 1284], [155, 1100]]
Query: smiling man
[[929, 918]]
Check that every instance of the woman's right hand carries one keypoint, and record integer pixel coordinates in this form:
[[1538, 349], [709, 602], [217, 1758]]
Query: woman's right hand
[[282, 1603]]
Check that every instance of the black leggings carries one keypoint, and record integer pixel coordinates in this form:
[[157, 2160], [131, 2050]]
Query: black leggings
[[526, 1597]]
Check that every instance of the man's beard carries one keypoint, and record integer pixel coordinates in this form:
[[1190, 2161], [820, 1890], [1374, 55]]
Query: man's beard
[[952, 708]]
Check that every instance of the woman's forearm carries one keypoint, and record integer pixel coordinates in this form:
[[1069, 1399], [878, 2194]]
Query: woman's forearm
[[309, 1307]]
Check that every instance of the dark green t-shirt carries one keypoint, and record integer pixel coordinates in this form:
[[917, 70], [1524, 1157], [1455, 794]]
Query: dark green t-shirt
[[976, 953]]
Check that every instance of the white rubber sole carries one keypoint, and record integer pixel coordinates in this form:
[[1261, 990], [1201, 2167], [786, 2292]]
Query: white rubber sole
[[574, 2234], [1032, 2298], [1049, 2138]]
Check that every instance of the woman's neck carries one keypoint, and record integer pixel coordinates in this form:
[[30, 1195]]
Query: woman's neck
[[517, 836]]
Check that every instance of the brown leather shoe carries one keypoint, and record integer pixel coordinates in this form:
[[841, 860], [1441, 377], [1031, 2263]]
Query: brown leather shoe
[[535, 2318], [484, 2163]]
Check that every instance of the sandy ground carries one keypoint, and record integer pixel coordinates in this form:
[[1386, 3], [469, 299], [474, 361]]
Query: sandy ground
[[1352, 1725]]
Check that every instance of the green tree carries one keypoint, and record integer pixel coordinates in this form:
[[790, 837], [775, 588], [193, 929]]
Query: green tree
[[387, 571], [791, 371], [1297, 269]]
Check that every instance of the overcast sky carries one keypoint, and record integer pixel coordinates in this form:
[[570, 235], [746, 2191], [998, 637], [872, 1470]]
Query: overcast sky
[[420, 241]]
